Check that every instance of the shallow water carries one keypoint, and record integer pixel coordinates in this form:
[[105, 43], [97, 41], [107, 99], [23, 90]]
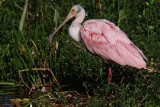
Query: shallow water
[[7, 93], [5, 100]]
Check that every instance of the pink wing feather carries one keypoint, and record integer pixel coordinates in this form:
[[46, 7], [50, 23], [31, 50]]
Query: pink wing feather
[[105, 39]]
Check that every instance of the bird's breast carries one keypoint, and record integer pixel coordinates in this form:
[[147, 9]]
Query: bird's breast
[[74, 31]]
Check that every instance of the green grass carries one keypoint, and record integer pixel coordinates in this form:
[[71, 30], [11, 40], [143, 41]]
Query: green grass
[[24, 45]]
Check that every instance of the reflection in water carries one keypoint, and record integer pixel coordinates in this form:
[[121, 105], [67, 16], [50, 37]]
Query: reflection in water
[[5, 100], [13, 100]]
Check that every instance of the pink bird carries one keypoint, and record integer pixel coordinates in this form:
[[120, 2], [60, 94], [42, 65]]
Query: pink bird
[[103, 38]]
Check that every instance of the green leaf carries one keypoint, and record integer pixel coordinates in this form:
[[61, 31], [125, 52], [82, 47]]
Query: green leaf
[[23, 17]]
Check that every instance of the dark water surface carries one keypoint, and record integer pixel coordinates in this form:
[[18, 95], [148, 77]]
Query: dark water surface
[[8, 93], [5, 100]]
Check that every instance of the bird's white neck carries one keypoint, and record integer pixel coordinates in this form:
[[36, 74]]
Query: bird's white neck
[[74, 29]]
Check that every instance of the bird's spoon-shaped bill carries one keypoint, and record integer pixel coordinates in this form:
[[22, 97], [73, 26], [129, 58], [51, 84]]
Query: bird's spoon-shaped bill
[[69, 16]]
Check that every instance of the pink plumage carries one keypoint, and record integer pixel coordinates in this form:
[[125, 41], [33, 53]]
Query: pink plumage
[[106, 40]]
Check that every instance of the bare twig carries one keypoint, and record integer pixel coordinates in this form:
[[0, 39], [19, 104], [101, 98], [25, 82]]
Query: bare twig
[[53, 77], [22, 79], [39, 69], [22, 8], [152, 70]]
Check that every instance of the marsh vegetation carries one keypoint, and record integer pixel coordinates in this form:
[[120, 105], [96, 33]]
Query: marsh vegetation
[[28, 63]]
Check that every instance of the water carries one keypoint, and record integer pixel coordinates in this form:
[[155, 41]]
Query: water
[[9, 91], [5, 100]]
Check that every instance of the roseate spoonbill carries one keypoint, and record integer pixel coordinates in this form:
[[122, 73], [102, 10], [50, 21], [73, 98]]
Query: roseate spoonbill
[[103, 38]]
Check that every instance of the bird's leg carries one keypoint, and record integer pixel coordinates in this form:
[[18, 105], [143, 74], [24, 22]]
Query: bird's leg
[[109, 75], [109, 78]]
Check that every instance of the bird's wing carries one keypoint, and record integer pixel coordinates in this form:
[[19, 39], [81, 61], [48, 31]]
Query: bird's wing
[[105, 39]]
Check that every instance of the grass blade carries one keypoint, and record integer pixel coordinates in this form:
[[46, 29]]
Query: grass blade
[[23, 17]]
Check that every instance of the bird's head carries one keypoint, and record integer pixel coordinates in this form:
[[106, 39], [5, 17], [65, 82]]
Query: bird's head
[[72, 13]]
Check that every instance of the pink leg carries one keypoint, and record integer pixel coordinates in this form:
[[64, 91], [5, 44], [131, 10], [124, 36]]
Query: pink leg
[[109, 75], [109, 78]]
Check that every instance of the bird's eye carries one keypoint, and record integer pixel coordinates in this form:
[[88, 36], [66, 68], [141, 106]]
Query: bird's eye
[[73, 10]]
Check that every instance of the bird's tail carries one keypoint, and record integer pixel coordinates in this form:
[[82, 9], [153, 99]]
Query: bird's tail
[[144, 57]]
